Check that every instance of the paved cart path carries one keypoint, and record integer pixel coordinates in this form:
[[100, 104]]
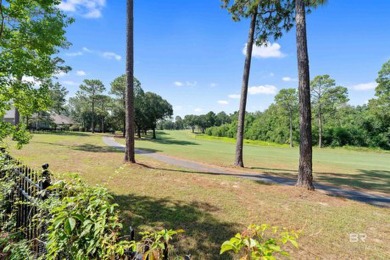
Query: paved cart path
[[373, 199]]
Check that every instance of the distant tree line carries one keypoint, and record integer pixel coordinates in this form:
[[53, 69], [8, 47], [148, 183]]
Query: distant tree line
[[335, 122]]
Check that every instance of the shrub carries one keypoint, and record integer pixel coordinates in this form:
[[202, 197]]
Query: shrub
[[84, 224], [258, 242]]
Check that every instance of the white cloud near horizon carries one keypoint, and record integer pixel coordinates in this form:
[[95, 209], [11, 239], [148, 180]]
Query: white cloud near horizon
[[365, 86], [106, 54], [30, 79], [272, 50], [73, 54], [288, 79], [111, 55], [85, 49], [234, 96], [70, 83], [266, 90], [177, 108], [91, 9], [187, 83], [60, 74], [223, 102], [81, 73], [198, 109]]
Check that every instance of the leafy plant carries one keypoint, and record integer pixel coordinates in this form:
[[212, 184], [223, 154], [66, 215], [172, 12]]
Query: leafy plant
[[18, 250], [155, 245], [84, 223], [260, 242]]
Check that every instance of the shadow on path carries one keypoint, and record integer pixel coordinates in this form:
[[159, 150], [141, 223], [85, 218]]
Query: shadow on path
[[373, 199]]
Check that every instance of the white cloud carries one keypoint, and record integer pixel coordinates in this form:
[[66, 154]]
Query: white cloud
[[365, 86], [266, 89], [73, 54], [60, 74], [187, 83], [29, 79], [69, 83], [80, 73], [111, 55], [272, 50], [213, 85], [84, 8], [178, 108], [223, 102], [288, 79], [198, 109], [191, 84], [87, 50], [234, 96]]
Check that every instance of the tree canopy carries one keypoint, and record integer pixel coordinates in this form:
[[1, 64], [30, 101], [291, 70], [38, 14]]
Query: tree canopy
[[31, 34]]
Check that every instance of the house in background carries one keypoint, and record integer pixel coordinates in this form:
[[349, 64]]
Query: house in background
[[9, 116], [42, 120]]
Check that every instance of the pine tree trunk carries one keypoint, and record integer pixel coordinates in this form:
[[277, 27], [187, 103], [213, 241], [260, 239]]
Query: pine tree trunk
[[124, 119], [239, 161], [320, 128], [129, 151], [93, 116], [291, 132], [305, 177]]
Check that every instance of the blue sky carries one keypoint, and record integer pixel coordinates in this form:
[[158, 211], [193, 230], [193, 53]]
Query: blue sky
[[191, 52]]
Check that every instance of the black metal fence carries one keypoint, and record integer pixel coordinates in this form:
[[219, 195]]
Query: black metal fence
[[20, 207], [28, 188]]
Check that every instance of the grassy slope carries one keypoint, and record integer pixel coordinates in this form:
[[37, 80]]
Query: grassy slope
[[338, 166], [212, 208]]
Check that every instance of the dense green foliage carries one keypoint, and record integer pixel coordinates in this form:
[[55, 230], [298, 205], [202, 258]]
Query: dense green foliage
[[31, 34], [90, 105], [259, 242], [341, 124]]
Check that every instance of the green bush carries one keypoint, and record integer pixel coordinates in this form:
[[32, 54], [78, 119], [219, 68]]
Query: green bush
[[84, 224], [260, 242]]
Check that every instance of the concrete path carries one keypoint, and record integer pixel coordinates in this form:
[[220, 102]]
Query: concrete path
[[373, 199]]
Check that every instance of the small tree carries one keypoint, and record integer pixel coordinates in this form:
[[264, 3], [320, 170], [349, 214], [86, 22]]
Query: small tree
[[288, 100], [90, 90], [155, 108], [325, 98]]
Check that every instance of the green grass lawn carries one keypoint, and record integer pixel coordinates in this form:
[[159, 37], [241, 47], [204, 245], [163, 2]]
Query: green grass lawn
[[211, 208], [368, 170]]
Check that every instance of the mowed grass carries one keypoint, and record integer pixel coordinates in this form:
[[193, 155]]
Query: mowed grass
[[368, 170], [212, 208]]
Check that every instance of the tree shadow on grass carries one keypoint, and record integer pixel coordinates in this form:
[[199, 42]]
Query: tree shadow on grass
[[108, 149], [62, 133], [261, 179], [172, 141], [203, 235], [95, 148], [374, 180]]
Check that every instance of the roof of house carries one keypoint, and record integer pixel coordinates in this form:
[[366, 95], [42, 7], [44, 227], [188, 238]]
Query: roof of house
[[10, 113], [61, 119]]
